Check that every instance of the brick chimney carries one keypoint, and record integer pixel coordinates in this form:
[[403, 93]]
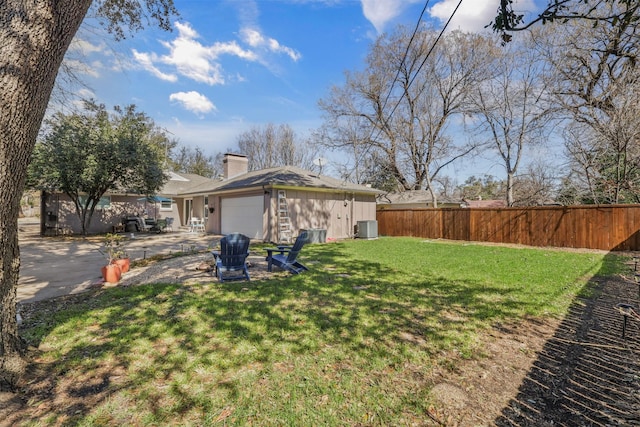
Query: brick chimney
[[235, 165]]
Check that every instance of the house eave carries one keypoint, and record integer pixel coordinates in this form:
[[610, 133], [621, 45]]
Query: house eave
[[322, 189], [274, 186]]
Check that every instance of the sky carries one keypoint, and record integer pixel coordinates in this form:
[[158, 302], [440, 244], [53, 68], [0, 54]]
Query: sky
[[232, 65]]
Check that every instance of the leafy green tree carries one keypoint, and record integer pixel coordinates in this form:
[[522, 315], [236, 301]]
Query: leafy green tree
[[602, 174], [34, 37], [570, 191], [85, 155], [482, 188]]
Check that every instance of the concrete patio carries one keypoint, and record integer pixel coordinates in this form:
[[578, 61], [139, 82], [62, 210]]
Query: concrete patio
[[55, 266]]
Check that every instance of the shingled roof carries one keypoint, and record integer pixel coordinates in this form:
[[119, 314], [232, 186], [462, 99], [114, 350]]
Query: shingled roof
[[413, 198], [181, 183], [484, 203], [286, 176]]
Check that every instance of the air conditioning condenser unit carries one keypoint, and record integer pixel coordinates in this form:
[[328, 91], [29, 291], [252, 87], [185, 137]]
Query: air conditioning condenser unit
[[367, 229]]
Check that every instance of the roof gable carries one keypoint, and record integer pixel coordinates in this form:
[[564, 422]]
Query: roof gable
[[285, 176], [179, 183], [291, 176]]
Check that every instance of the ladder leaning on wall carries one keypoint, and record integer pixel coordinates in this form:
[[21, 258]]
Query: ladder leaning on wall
[[284, 223]]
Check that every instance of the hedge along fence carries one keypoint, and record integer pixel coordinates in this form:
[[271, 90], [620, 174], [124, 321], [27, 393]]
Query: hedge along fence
[[607, 227]]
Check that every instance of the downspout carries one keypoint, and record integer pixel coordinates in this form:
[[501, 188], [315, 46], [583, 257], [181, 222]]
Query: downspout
[[352, 225], [269, 214]]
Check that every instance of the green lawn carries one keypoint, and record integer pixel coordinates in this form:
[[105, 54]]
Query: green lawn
[[351, 341]]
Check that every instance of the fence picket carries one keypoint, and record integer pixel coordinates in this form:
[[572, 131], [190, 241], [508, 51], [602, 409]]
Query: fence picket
[[606, 227]]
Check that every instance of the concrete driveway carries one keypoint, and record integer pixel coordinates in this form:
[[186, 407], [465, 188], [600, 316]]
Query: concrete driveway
[[55, 266]]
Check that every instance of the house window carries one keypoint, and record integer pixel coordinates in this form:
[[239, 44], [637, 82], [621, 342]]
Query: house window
[[165, 205], [104, 203], [206, 206]]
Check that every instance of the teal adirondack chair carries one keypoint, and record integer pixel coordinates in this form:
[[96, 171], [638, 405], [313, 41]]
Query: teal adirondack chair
[[232, 257], [286, 256]]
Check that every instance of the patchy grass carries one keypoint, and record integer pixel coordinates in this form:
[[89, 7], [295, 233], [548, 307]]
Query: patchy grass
[[353, 341]]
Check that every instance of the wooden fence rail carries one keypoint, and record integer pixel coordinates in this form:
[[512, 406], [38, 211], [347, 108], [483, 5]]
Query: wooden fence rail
[[607, 227]]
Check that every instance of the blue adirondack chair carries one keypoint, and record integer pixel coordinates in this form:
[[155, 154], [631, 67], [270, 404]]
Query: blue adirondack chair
[[285, 257], [232, 257]]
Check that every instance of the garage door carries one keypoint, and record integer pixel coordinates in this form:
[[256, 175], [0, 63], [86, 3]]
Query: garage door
[[242, 215]]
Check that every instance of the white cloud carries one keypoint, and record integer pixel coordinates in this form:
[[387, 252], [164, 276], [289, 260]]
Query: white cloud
[[472, 16], [191, 58], [252, 38], [193, 101], [257, 40], [79, 58], [86, 93], [197, 61], [85, 46], [200, 62], [251, 33], [379, 12], [80, 96], [146, 60]]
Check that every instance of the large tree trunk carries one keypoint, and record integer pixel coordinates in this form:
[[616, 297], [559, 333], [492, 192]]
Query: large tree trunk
[[510, 189], [35, 35]]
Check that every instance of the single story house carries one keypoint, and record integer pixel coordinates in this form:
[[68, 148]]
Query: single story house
[[412, 199], [58, 215], [416, 199], [271, 205], [483, 203], [274, 204]]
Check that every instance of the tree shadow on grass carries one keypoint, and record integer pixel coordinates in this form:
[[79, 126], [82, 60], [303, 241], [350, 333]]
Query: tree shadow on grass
[[368, 311], [587, 374]]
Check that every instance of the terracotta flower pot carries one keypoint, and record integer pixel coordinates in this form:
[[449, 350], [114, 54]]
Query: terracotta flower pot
[[111, 273], [123, 263]]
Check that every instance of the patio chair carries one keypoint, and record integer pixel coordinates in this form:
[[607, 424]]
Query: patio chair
[[197, 225], [141, 224], [232, 257], [286, 258], [161, 225]]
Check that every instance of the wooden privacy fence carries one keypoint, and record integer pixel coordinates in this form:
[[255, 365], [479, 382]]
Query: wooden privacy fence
[[607, 227]]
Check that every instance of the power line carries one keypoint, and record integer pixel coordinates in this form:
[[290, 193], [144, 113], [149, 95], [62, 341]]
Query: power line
[[424, 61], [415, 31], [393, 83], [435, 42], [371, 135], [406, 53], [395, 79]]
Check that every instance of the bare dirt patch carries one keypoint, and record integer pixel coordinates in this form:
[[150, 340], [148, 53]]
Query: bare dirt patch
[[474, 392], [192, 269], [577, 371]]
